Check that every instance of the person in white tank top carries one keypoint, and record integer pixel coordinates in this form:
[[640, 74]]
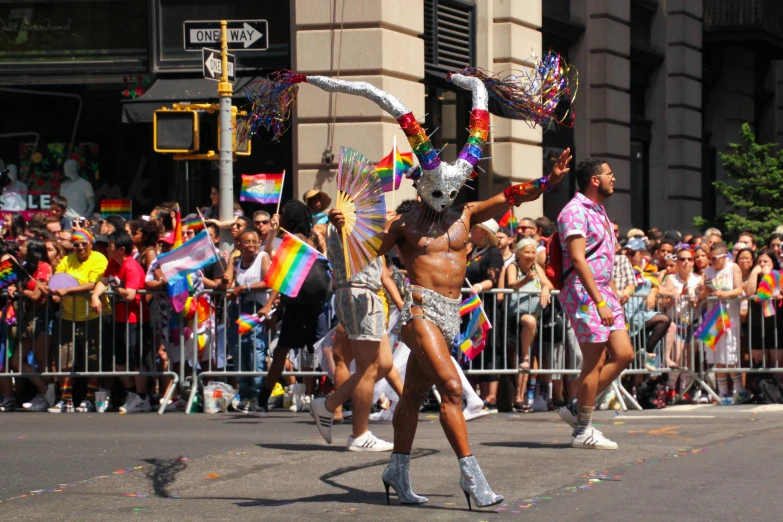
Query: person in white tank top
[[724, 280], [684, 287]]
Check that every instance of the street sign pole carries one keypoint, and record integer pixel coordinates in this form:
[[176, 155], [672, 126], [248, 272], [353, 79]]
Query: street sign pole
[[226, 160]]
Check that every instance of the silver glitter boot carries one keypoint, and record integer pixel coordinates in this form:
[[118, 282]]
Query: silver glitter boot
[[397, 476], [474, 484]]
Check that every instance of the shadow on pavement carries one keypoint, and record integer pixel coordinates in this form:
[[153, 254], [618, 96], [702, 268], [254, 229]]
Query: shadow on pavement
[[163, 472], [526, 444]]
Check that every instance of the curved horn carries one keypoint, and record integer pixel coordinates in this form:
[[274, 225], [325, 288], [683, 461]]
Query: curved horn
[[419, 142]]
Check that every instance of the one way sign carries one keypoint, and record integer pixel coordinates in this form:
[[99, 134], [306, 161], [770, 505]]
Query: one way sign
[[242, 35], [213, 65]]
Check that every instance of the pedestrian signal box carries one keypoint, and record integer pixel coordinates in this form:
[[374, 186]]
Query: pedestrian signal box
[[176, 131]]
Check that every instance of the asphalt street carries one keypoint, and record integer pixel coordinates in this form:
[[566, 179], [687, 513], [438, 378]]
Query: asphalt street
[[681, 463]]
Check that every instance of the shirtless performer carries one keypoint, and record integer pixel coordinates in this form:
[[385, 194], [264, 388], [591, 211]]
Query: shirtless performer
[[432, 240]]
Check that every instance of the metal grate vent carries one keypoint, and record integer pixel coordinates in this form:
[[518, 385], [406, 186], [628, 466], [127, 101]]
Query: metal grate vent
[[449, 36]]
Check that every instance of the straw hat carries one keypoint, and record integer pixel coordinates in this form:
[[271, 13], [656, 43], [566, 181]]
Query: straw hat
[[634, 232], [491, 226], [325, 199]]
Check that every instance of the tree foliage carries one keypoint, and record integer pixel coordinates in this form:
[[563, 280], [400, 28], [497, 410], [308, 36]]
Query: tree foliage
[[754, 193]]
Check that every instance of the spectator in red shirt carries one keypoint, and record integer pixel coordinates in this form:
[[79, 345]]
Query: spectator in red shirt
[[125, 277]]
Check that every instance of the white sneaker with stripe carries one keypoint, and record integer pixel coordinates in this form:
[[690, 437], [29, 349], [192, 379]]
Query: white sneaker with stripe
[[322, 417], [591, 438], [368, 442]]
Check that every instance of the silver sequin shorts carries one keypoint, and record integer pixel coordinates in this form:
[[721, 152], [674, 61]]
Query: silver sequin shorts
[[441, 310]]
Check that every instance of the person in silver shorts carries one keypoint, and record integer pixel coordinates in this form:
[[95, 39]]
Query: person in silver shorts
[[362, 332]]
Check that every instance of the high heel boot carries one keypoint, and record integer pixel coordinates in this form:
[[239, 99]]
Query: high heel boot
[[474, 485], [397, 476]]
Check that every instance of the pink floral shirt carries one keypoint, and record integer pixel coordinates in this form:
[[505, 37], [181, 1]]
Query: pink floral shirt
[[583, 217]]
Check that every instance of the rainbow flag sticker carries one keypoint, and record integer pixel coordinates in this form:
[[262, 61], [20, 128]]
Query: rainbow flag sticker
[[262, 188], [121, 207]]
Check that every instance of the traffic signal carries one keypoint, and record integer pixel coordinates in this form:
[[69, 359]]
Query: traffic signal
[[176, 131]]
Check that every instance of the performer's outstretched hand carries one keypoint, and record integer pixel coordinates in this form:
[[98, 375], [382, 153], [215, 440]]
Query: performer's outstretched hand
[[561, 168], [337, 219]]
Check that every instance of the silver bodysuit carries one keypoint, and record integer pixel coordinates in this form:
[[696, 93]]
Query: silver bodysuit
[[439, 309]]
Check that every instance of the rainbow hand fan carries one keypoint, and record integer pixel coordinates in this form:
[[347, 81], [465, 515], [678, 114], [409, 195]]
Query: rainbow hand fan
[[360, 198]]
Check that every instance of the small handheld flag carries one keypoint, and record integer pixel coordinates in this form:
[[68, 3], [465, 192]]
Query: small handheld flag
[[714, 325], [469, 304], [473, 341], [262, 188], [121, 207], [509, 220], [390, 169], [247, 322]]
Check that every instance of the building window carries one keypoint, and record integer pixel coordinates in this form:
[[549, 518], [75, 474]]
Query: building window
[[449, 36]]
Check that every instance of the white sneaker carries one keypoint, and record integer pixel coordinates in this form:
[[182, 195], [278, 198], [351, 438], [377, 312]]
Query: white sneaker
[[62, 407], [540, 405], [134, 403], [85, 407], [297, 396], [306, 400], [177, 404], [383, 416], [50, 394], [473, 415], [37, 404], [592, 439], [368, 442], [323, 418], [567, 416]]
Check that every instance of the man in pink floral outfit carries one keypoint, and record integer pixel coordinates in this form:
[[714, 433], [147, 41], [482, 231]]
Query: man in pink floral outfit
[[590, 298]]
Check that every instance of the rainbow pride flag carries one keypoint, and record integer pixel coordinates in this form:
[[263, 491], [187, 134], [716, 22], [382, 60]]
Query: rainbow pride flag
[[713, 326], [768, 284], [247, 322], [390, 170], [291, 264], [178, 239], [509, 220], [469, 304], [262, 188], [8, 274], [121, 207], [193, 222], [473, 341]]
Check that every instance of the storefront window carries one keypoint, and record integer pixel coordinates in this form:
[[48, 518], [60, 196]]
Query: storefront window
[[72, 31]]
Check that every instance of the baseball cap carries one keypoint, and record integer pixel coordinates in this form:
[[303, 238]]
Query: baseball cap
[[167, 238], [635, 244]]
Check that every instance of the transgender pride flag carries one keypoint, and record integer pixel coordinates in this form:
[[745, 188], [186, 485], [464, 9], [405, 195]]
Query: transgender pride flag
[[194, 255]]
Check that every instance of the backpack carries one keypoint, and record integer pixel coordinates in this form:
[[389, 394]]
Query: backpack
[[651, 395], [768, 390], [554, 261]]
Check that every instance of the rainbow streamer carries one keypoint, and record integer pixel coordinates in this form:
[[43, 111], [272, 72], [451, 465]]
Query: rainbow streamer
[[532, 94], [469, 304], [247, 322], [8, 274], [390, 169], [714, 325], [509, 220], [474, 340], [121, 207], [262, 188], [291, 264]]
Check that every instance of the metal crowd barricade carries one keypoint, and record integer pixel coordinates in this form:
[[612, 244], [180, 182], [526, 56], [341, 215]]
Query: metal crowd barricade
[[228, 345], [39, 344]]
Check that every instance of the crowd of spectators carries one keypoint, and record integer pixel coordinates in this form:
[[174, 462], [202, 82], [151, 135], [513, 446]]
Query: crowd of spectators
[[109, 310]]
